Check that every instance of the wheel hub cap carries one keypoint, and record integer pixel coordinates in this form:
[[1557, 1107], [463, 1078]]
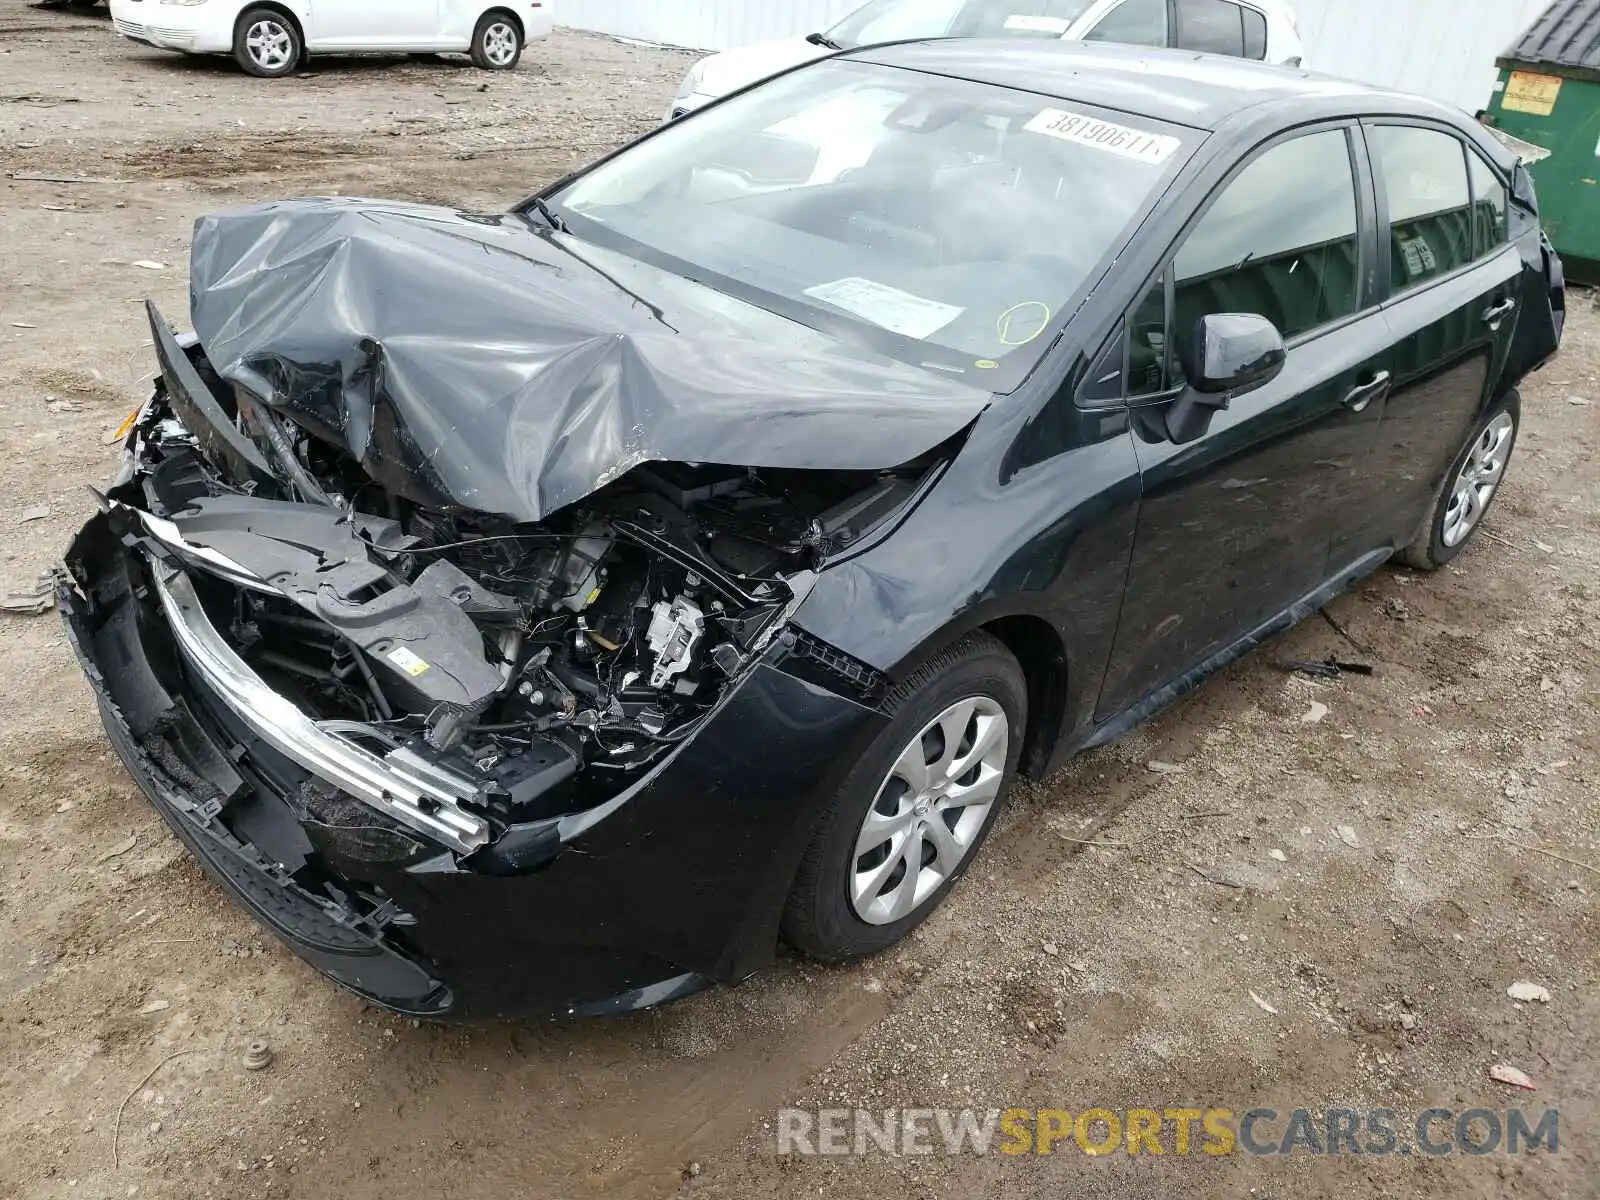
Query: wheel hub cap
[[269, 44], [929, 810], [1478, 479], [500, 44]]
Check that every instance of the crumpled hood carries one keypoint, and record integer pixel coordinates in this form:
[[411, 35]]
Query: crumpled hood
[[487, 363]]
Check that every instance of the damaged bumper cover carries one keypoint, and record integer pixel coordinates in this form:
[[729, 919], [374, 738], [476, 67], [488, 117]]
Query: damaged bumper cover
[[674, 883]]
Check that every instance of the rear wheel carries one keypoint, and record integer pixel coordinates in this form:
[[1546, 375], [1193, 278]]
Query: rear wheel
[[1470, 487], [912, 814], [267, 43], [496, 42]]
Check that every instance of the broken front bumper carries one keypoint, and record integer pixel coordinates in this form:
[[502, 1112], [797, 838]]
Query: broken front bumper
[[675, 881], [425, 796]]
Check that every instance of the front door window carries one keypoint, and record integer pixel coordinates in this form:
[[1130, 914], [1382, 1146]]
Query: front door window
[[1281, 241]]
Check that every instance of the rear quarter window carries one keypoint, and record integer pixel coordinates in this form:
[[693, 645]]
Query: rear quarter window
[[1489, 206], [1255, 34], [1214, 26]]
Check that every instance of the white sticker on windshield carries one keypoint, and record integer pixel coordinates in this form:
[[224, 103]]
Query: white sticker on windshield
[[888, 307], [1104, 135], [1055, 25]]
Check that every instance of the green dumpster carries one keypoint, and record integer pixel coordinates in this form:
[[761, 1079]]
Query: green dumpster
[[1549, 94]]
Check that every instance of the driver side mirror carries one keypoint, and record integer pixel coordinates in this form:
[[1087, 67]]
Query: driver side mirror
[[1230, 354]]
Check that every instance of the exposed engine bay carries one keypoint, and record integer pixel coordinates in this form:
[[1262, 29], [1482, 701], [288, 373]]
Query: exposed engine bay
[[546, 664]]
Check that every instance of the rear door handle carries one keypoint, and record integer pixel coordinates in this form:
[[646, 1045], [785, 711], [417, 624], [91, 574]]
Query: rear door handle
[[1364, 394], [1495, 317]]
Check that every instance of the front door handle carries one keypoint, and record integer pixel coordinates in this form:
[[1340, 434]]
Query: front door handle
[[1365, 393], [1495, 317]]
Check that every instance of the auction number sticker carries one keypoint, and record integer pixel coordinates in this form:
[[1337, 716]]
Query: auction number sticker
[[1154, 148]]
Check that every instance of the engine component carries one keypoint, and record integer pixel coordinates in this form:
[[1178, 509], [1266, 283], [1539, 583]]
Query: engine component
[[536, 778], [574, 571], [675, 630], [449, 723], [422, 637], [686, 485], [614, 617]]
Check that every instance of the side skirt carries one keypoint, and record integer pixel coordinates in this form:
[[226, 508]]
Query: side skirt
[[1113, 728]]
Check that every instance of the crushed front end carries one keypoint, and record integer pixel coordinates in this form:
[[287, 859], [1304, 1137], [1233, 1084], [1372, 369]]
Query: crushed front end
[[457, 762]]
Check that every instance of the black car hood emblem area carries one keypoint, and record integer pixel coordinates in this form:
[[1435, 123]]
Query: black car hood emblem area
[[485, 363]]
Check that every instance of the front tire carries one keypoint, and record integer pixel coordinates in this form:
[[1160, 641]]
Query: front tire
[[913, 813], [496, 42], [266, 43], [1470, 487]]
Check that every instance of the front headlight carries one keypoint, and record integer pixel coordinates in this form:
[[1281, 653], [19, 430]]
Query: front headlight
[[691, 81]]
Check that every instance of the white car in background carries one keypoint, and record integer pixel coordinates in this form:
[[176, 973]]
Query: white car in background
[[270, 39], [1258, 29]]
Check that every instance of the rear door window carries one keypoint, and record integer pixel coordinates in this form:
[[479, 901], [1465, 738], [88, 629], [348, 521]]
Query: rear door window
[[1214, 26], [1424, 173], [1136, 22]]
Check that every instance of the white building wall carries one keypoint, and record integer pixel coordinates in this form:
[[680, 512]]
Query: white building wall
[[703, 24], [1441, 48]]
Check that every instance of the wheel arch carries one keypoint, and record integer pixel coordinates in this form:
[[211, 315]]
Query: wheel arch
[[516, 19], [1042, 654], [1041, 651], [283, 10]]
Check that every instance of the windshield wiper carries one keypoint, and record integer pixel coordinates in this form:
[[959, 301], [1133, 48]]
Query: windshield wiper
[[557, 222], [822, 39]]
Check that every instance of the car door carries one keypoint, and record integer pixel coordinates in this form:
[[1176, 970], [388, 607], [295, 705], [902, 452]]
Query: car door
[[363, 25], [1454, 283], [1235, 527]]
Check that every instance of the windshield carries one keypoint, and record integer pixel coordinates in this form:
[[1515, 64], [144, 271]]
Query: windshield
[[946, 222], [892, 20]]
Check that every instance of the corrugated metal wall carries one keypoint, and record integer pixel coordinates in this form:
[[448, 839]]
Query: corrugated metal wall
[[1442, 48]]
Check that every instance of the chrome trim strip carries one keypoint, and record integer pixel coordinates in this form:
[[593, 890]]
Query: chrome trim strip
[[420, 794]]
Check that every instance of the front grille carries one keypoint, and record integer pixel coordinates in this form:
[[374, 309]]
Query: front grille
[[130, 29]]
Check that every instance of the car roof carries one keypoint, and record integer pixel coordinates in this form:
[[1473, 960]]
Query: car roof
[[1202, 91]]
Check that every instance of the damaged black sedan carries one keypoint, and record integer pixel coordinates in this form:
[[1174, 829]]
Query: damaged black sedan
[[554, 611]]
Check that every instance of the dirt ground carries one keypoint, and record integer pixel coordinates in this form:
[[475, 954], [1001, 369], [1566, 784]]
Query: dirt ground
[[1379, 877]]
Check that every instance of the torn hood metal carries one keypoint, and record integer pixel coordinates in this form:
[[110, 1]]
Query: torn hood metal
[[493, 364]]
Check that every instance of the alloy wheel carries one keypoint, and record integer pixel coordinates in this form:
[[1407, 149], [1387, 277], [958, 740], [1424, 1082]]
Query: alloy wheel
[[929, 810], [500, 44], [269, 45], [1478, 479]]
